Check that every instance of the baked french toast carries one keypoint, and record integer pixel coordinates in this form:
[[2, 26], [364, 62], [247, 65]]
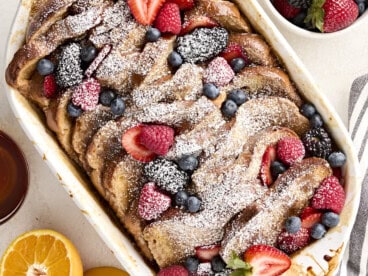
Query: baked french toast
[[188, 127]]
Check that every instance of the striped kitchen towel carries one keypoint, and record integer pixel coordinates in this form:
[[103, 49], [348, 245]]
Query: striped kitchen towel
[[355, 261]]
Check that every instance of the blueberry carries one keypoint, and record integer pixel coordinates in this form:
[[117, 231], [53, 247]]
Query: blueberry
[[153, 34], [299, 19], [45, 67], [238, 96], [277, 168], [194, 204], [106, 97], [73, 110], [175, 59], [308, 110], [293, 224], [316, 121], [337, 159], [330, 219], [229, 108], [188, 163], [217, 264], [237, 64], [211, 91], [318, 231], [181, 198], [191, 264], [117, 106], [361, 7], [88, 53]]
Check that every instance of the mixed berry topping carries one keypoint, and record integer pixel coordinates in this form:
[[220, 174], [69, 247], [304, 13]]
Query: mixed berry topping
[[49, 86], [106, 97], [69, 71], [157, 138], [211, 91], [291, 242], [153, 34], [238, 96], [267, 159], [73, 110], [233, 51], [188, 163], [117, 106], [88, 53], [97, 61], [175, 270], [330, 219], [152, 202], [202, 44], [175, 59], [168, 19], [317, 142], [318, 231], [229, 108], [184, 4], [337, 159], [199, 21], [290, 150], [293, 224], [45, 67], [167, 175]]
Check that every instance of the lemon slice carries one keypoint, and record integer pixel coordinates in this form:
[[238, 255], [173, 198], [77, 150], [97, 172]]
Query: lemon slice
[[41, 252], [105, 271]]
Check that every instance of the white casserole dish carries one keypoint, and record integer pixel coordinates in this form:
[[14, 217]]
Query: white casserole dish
[[311, 259]]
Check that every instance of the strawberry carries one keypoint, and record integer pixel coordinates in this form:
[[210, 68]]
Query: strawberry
[[199, 21], [134, 148], [234, 50], [152, 203], [290, 150], [206, 253], [175, 270], [168, 20], [97, 61], [157, 138], [268, 157], [307, 211], [218, 72], [292, 242], [332, 15], [49, 86], [308, 221], [183, 4], [145, 12], [267, 260], [86, 94], [285, 9], [330, 195]]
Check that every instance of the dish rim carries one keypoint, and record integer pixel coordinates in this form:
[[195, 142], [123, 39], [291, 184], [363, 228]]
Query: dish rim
[[112, 235]]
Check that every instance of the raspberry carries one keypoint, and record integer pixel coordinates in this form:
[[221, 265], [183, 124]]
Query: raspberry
[[86, 94], [317, 142], [330, 195], [168, 20], [175, 270], [157, 138], [152, 203], [49, 86], [290, 150], [219, 72], [292, 242]]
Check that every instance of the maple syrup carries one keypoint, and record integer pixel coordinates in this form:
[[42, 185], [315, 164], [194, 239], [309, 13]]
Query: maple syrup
[[13, 177]]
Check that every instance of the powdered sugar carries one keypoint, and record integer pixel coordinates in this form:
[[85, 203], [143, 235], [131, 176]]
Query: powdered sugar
[[69, 71], [86, 94], [219, 72]]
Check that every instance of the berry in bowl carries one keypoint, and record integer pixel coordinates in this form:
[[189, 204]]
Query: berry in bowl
[[320, 16]]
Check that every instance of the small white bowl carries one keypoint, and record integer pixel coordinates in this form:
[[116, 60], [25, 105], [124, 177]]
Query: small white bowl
[[279, 20]]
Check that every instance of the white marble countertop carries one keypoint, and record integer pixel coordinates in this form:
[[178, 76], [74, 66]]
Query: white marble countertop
[[334, 63]]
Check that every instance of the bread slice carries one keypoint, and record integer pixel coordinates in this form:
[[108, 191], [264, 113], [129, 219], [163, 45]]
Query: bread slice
[[262, 81], [85, 127], [288, 196], [224, 12], [257, 50]]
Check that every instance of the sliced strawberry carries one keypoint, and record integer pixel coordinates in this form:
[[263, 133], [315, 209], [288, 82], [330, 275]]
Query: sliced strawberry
[[200, 21], [144, 11], [206, 253], [308, 211], [267, 260], [183, 4], [292, 242], [234, 50], [330, 195], [311, 219], [157, 138], [268, 157], [97, 61], [131, 144], [152, 203], [168, 20]]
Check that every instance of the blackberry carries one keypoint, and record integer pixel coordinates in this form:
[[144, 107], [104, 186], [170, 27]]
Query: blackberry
[[69, 71], [167, 175], [317, 142], [202, 44], [300, 3]]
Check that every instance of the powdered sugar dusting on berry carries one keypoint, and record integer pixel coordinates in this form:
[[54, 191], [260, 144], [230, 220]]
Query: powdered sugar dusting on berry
[[86, 94], [97, 61], [219, 72], [69, 71]]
